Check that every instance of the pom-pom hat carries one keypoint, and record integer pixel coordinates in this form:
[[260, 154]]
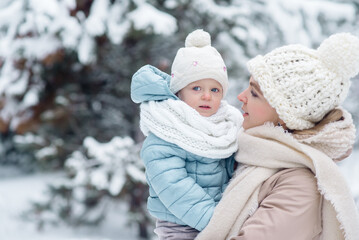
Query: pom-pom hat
[[304, 84], [197, 60]]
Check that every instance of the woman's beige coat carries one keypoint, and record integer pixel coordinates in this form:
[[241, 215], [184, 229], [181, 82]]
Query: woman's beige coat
[[308, 200], [289, 208]]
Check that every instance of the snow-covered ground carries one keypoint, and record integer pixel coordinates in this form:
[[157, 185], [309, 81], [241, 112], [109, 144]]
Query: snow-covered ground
[[15, 196], [16, 192]]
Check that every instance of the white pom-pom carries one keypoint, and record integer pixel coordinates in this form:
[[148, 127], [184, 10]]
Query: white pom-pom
[[198, 38], [340, 52]]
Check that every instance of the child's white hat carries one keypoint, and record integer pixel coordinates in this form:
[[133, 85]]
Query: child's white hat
[[304, 84], [197, 60]]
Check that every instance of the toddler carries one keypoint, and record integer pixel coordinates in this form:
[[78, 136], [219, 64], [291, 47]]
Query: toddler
[[191, 137]]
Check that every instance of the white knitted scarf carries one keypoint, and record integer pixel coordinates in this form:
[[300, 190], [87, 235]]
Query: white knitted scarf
[[176, 122], [264, 151]]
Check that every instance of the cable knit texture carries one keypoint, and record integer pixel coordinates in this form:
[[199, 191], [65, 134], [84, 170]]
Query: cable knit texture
[[178, 123], [264, 150], [198, 60], [303, 84]]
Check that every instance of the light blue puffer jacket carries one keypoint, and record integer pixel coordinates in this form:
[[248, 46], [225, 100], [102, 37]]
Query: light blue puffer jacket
[[184, 188]]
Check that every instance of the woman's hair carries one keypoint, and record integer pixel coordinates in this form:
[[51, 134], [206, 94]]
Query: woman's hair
[[333, 116]]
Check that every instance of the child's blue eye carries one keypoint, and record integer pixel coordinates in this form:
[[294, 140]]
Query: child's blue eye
[[215, 90], [196, 88]]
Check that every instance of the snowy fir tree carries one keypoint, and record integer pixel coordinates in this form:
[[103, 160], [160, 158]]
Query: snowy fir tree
[[98, 175], [65, 74]]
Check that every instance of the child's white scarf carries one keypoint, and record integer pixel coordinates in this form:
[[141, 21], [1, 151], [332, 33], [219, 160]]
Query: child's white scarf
[[176, 122], [264, 150]]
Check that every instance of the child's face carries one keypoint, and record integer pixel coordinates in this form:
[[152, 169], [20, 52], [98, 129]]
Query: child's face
[[204, 96], [256, 108]]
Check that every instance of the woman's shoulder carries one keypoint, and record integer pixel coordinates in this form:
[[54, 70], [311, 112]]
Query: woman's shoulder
[[294, 182], [295, 174]]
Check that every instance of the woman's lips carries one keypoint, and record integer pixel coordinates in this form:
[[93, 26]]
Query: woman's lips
[[245, 114]]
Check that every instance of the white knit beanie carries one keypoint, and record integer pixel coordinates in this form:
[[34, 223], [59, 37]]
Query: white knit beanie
[[198, 60], [304, 84]]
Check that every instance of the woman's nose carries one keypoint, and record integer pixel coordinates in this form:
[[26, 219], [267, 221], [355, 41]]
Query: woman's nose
[[242, 97]]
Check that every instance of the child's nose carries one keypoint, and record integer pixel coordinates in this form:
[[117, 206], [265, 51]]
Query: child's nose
[[206, 95]]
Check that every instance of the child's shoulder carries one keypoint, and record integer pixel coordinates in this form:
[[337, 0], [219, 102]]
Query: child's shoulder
[[153, 140], [158, 146]]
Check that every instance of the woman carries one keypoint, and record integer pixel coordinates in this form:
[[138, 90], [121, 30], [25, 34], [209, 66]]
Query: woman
[[287, 185]]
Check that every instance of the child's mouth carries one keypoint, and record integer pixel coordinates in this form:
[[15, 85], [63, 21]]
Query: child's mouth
[[205, 107]]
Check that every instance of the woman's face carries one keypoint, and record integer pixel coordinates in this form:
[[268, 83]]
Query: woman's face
[[256, 109]]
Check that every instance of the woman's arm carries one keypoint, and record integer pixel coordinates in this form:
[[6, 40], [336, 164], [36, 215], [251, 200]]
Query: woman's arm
[[289, 208]]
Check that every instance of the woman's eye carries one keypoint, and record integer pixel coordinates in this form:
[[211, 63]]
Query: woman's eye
[[254, 94], [215, 90], [196, 88]]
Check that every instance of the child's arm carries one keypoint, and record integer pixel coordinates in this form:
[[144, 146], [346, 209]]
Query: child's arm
[[182, 196], [150, 83]]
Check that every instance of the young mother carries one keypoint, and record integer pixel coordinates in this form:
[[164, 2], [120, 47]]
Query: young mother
[[287, 185]]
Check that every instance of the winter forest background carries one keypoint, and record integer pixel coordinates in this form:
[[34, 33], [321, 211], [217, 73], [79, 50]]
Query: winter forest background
[[69, 132]]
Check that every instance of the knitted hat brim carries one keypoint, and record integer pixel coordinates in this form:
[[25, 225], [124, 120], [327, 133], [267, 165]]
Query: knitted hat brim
[[261, 74], [194, 73]]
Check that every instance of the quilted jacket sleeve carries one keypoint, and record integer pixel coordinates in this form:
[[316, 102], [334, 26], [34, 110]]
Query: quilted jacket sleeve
[[182, 196], [231, 165], [149, 83]]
